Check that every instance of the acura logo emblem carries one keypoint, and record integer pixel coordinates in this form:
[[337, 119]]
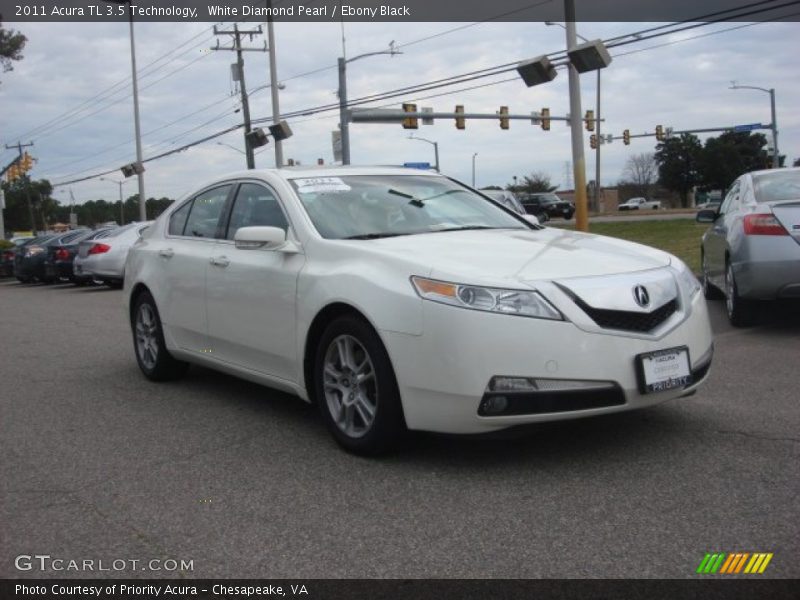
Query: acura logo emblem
[[641, 296]]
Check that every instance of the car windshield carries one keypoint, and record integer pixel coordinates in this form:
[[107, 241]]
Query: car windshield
[[776, 186], [547, 198], [374, 206]]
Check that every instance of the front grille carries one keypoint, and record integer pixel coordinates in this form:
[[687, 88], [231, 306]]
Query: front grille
[[626, 320]]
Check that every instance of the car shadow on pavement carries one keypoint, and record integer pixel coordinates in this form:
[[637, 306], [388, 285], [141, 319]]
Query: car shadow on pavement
[[595, 438]]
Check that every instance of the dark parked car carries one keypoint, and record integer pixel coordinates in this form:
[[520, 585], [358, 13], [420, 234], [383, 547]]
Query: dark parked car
[[61, 254], [547, 205], [7, 262], [30, 264], [29, 258], [7, 255]]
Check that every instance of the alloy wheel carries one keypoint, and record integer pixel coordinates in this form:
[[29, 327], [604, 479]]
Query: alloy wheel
[[147, 336], [350, 386]]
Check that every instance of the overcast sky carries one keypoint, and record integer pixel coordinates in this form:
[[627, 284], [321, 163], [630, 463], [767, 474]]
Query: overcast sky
[[683, 85]]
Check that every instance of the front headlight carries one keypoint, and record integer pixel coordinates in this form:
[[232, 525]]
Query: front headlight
[[686, 278], [525, 303]]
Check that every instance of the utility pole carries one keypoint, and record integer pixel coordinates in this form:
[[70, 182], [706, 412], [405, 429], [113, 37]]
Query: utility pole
[[578, 160], [273, 83], [19, 146], [237, 47], [344, 123]]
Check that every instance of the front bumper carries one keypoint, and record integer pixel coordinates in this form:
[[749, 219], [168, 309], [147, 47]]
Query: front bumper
[[443, 373]]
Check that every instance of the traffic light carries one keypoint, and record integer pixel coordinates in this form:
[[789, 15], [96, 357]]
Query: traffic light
[[460, 121], [593, 141], [546, 119], [503, 117], [626, 137], [589, 120], [659, 133], [13, 173], [410, 122]]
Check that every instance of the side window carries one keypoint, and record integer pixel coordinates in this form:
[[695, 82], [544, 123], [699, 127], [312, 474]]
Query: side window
[[730, 199], [177, 220], [206, 209], [255, 205]]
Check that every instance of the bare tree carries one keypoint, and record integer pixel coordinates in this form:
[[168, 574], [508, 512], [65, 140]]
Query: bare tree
[[641, 172], [537, 181]]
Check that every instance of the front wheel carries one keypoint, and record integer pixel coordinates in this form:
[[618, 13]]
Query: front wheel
[[154, 359], [741, 312], [356, 388]]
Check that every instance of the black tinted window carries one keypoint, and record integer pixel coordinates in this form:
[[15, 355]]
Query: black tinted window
[[255, 205], [205, 212]]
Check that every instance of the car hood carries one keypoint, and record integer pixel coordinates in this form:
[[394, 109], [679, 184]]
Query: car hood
[[495, 257]]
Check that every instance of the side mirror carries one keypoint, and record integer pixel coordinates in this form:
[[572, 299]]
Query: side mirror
[[531, 219], [253, 238], [708, 215]]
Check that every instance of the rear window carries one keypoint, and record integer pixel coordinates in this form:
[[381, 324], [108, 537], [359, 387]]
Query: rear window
[[777, 186]]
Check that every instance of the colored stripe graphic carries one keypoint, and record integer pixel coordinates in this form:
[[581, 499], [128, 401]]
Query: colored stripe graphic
[[734, 563]]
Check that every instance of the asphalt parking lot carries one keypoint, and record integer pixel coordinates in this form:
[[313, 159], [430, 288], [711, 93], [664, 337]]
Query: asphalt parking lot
[[98, 463]]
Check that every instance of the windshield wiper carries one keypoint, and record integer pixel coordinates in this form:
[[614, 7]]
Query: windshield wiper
[[467, 228], [420, 202], [373, 236]]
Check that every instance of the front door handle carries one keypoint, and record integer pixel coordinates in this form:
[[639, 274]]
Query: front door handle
[[166, 253], [220, 261]]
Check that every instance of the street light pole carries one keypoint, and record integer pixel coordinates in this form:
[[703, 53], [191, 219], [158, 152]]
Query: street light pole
[[597, 124], [344, 125], [776, 161], [137, 127], [121, 204], [273, 78], [473, 169], [435, 149], [578, 159]]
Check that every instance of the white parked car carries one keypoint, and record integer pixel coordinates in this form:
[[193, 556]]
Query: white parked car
[[640, 204], [396, 298], [103, 258]]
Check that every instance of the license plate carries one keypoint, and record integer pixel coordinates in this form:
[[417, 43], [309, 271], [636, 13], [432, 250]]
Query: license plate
[[663, 370]]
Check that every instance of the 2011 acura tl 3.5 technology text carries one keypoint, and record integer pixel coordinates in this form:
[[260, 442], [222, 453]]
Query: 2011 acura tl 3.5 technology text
[[397, 298]]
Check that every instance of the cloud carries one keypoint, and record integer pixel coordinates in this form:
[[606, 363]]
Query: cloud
[[187, 93]]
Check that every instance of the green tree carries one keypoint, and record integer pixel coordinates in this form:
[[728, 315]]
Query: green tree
[[678, 161], [18, 194], [11, 45], [731, 154]]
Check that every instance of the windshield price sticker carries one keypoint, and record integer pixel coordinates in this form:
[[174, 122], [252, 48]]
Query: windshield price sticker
[[664, 370], [316, 185]]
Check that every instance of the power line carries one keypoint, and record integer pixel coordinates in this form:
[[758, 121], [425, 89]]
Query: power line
[[115, 88], [444, 82]]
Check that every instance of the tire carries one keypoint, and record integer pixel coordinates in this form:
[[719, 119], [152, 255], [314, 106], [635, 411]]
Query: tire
[[114, 284], [365, 417], [710, 291], [741, 312], [154, 360]]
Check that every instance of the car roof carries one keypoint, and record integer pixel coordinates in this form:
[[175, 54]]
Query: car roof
[[289, 173]]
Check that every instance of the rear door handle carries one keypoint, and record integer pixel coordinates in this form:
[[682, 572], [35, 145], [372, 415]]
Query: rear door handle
[[220, 261], [167, 253]]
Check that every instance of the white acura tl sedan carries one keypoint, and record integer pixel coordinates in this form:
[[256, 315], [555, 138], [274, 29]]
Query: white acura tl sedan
[[401, 299]]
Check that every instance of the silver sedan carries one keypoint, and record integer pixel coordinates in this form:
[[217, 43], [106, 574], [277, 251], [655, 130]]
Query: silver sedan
[[103, 259], [751, 252]]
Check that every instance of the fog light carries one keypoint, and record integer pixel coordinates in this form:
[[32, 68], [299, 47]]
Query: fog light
[[493, 405], [511, 384]]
